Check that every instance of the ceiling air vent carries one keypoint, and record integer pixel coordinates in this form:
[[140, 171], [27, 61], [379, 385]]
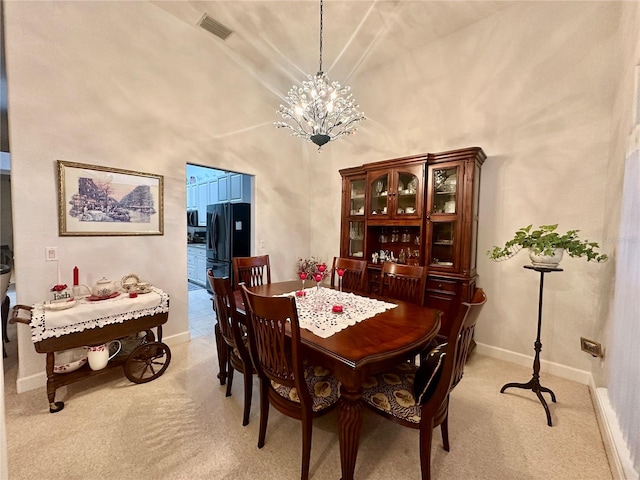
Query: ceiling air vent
[[211, 25]]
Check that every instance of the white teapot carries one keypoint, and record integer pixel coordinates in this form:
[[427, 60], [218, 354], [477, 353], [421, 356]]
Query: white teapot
[[103, 288]]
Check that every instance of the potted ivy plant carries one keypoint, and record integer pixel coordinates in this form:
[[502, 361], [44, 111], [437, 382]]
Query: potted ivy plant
[[546, 246]]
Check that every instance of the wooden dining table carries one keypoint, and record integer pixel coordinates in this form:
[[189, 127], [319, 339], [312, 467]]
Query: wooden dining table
[[358, 351]]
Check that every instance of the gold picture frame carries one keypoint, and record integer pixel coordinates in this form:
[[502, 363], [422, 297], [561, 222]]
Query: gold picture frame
[[103, 201]]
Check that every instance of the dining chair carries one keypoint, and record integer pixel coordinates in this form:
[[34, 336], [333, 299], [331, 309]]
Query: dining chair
[[231, 340], [418, 397], [5, 277], [251, 271], [354, 276], [292, 385], [403, 282]]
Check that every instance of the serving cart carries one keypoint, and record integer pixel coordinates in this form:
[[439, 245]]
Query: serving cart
[[129, 320]]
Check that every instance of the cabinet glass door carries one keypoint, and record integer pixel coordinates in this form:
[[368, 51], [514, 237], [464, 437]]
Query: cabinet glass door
[[356, 197], [356, 239], [445, 187], [443, 244], [407, 188], [379, 195]]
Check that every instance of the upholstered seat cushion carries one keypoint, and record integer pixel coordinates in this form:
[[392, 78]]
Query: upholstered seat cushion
[[324, 387], [392, 392]]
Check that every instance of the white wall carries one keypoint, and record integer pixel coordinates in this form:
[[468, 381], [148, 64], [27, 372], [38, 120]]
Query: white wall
[[123, 84]]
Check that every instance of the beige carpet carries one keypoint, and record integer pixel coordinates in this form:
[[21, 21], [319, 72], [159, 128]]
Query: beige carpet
[[181, 426]]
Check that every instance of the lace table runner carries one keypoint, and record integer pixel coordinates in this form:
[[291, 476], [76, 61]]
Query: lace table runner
[[86, 314], [315, 310]]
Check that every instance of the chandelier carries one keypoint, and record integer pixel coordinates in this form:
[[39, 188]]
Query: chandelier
[[320, 110]]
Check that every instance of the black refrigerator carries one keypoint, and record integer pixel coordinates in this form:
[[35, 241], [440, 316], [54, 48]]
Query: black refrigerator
[[228, 235]]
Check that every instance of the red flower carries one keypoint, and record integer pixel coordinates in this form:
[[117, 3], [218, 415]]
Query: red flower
[[303, 276], [322, 267], [317, 277], [59, 287], [341, 272]]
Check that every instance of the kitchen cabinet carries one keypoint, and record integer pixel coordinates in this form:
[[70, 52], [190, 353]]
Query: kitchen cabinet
[[213, 191], [420, 210], [239, 188], [203, 201], [192, 197], [223, 188], [197, 264]]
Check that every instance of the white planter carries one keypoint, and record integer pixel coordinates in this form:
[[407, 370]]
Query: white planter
[[539, 260]]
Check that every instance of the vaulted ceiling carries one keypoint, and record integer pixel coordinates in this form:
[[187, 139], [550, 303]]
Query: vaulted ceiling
[[277, 42]]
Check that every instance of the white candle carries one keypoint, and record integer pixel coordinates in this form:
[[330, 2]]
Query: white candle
[[59, 282]]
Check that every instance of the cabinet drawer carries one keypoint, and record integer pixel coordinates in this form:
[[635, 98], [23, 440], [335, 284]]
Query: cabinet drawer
[[441, 285]]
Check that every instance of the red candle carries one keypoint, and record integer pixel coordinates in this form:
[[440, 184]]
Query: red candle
[[75, 276]]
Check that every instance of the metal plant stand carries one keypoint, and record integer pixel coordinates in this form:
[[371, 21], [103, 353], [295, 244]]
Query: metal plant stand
[[534, 383]]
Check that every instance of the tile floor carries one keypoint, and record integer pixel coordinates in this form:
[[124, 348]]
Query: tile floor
[[201, 315]]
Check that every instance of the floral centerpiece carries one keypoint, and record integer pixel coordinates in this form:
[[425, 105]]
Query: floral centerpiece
[[312, 268]]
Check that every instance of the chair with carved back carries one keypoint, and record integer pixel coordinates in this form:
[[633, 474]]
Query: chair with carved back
[[353, 274], [418, 397], [289, 383], [251, 271], [403, 282], [231, 340]]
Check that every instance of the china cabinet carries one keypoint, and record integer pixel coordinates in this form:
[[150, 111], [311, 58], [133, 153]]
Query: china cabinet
[[395, 193], [353, 214], [420, 210]]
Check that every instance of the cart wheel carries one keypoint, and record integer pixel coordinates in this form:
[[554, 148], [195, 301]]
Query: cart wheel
[[147, 362]]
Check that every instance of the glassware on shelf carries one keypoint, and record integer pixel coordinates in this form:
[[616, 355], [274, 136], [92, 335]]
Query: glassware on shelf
[[379, 187]]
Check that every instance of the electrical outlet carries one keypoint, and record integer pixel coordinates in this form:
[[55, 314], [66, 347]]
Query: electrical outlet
[[51, 254], [592, 348]]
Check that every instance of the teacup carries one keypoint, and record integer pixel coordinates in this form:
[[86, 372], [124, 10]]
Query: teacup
[[99, 355], [143, 287], [410, 210]]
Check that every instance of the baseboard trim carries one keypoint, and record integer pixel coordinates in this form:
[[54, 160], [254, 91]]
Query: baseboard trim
[[39, 379], [31, 382], [620, 456], [581, 376]]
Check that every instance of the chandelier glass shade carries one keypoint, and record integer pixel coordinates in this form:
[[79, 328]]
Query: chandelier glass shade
[[319, 110]]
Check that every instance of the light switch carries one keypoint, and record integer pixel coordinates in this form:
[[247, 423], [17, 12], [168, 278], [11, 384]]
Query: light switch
[[51, 254]]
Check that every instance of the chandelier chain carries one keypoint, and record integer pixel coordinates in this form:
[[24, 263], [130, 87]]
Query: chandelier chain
[[320, 36]]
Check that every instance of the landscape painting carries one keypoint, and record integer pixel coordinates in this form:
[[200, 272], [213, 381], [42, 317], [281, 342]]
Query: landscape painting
[[94, 200]]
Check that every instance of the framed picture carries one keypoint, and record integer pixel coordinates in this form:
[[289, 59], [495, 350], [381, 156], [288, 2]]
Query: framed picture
[[95, 200]]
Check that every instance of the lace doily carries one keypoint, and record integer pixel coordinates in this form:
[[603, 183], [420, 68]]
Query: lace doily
[[86, 314], [316, 315]]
